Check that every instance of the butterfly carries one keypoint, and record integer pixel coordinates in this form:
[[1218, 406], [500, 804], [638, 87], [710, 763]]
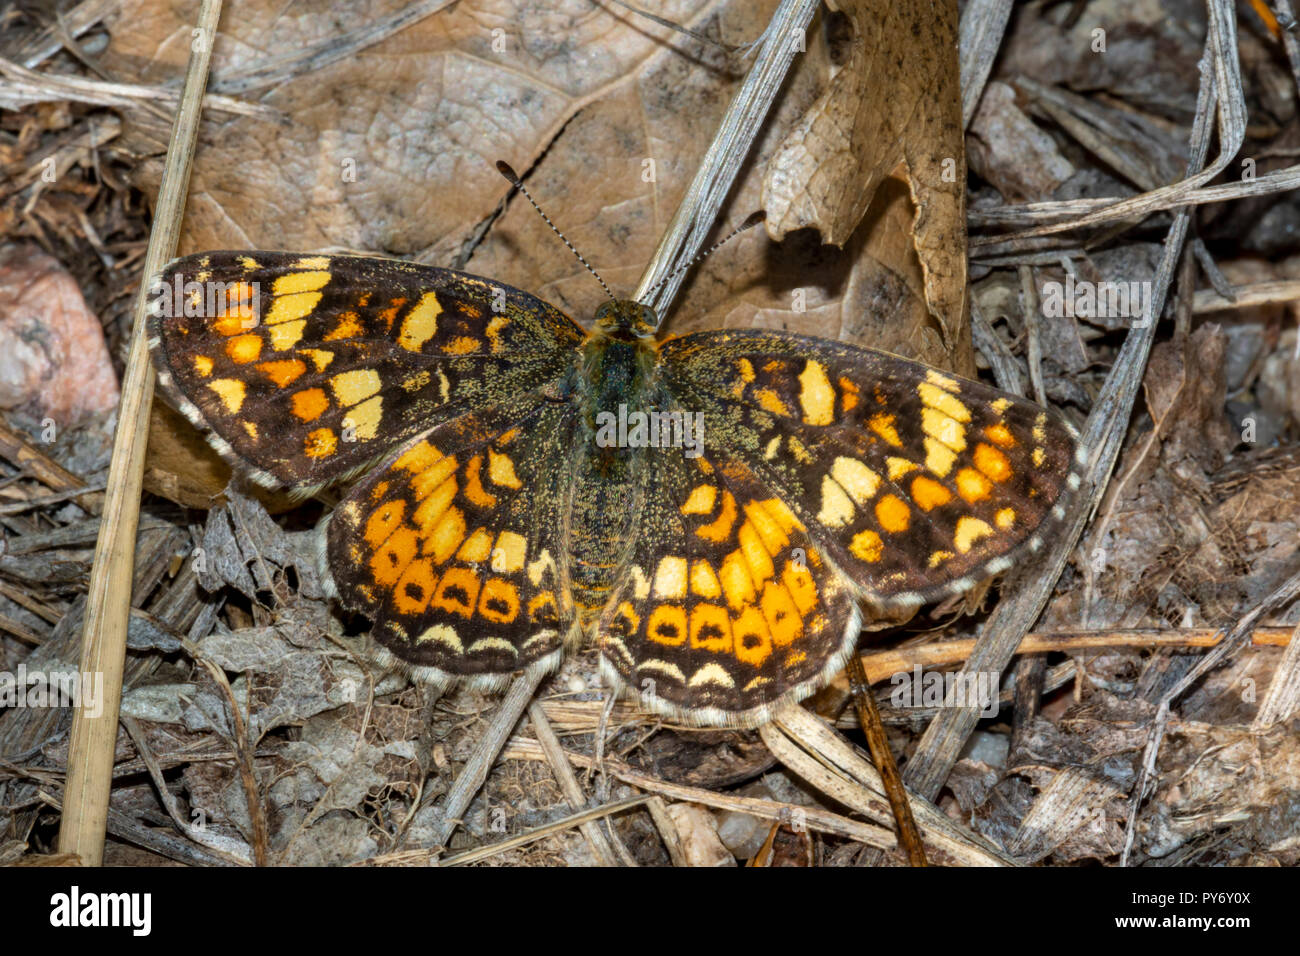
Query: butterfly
[[715, 510]]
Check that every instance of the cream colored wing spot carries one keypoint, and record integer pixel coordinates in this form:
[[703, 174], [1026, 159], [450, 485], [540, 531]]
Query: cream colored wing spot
[[704, 581], [667, 668], [365, 418], [859, 481], [935, 377], [231, 391], [420, 324], [640, 583], [934, 397], [442, 634], [492, 644], [816, 394], [711, 673], [287, 334], [539, 566], [969, 531], [353, 387], [502, 471], [837, 508], [670, 578], [509, 553], [898, 467]]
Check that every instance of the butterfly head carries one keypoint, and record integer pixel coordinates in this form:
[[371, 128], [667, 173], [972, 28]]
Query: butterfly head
[[626, 319]]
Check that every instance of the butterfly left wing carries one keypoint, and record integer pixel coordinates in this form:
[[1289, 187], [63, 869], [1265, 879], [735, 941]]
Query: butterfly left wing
[[726, 608], [455, 545]]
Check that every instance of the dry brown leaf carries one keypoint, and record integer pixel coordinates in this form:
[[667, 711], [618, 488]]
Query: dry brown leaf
[[892, 109]]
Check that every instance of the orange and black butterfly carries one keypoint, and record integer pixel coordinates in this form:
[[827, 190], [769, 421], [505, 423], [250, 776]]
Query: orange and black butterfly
[[713, 510]]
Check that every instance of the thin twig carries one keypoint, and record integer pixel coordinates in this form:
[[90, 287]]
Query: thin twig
[[878, 746], [108, 598]]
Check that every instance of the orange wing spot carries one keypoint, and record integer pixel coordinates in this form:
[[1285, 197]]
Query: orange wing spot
[[420, 457], [625, 620], [784, 621], [474, 485], [251, 429], [1000, 435], [457, 592], [849, 395], [203, 365], [883, 425], [781, 514], [321, 443], [378, 492], [415, 587], [309, 404], [462, 345], [802, 587], [477, 547], [446, 536], [243, 349], [389, 314], [736, 582], [1005, 518], [867, 546], [430, 510], [753, 641], [769, 530], [746, 368], [508, 437], [756, 556], [700, 501], [992, 462], [542, 609], [232, 324], [973, 486], [431, 479], [893, 514], [928, 493], [349, 327], [390, 561], [710, 628], [771, 402], [499, 602], [385, 519], [667, 625], [720, 530], [283, 372]]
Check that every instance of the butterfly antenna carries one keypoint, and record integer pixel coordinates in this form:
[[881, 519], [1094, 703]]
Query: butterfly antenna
[[505, 170], [753, 220]]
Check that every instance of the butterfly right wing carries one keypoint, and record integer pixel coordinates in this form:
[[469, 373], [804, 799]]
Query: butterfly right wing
[[456, 545], [307, 367]]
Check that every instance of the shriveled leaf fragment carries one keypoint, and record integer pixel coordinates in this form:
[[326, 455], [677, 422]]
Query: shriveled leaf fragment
[[894, 106]]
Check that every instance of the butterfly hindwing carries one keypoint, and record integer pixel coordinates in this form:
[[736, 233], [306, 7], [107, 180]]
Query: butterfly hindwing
[[307, 367], [917, 483], [725, 608], [454, 546]]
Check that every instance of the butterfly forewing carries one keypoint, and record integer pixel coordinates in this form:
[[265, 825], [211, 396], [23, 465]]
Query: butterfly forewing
[[917, 483], [306, 367]]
